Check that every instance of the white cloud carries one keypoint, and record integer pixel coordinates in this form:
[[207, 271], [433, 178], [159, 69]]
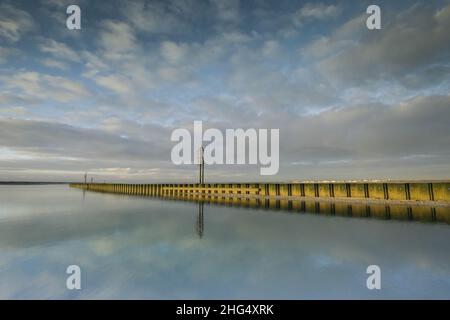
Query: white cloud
[[14, 23], [114, 83], [51, 63], [315, 11], [165, 17], [173, 53], [117, 39], [59, 50], [38, 86], [319, 10], [412, 40]]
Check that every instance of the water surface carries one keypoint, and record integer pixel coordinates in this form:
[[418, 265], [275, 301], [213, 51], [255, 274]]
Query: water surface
[[133, 247]]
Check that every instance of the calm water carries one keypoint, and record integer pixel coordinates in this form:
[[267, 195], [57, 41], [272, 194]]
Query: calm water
[[130, 247]]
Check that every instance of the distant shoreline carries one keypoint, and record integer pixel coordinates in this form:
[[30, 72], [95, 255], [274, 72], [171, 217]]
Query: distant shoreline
[[29, 183]]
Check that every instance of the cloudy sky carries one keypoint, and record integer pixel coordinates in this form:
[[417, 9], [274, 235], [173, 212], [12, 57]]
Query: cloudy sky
[[350, 103]]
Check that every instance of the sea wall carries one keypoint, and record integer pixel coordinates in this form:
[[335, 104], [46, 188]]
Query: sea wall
[[399, 191]]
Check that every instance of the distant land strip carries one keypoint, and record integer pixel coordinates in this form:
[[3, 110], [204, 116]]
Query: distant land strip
[[30, 182]]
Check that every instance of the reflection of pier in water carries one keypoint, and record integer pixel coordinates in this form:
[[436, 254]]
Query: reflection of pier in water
[[369, 208], [200, 219], [361, 209]]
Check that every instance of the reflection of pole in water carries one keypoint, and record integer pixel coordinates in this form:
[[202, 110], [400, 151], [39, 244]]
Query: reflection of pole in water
[[200, 220], [84, 194]]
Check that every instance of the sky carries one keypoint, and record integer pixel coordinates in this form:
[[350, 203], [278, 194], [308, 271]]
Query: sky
[[350, 103]]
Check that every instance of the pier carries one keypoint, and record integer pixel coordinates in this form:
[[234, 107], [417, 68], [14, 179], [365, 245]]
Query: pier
[[404, 192], [419, 201]]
